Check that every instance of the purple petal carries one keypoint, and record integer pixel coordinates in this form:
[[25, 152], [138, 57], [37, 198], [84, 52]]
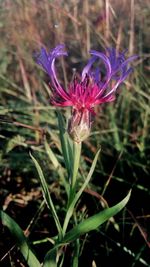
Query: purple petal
[[88, 67], [128, 60], [112, 56], [105, 60], [42, 59], [47, 61], [97, 75]]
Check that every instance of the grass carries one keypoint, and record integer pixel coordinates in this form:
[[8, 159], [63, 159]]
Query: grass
[[121, 129]]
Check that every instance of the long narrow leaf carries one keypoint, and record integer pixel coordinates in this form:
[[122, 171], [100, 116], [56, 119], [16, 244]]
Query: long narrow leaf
[[51, 155], [94, 221], [46, 194], [66, 144], [57, 166], [77, 196], [21, 240], [87, 179], [50, 258]]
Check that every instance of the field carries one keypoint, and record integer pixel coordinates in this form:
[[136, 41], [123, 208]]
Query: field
[[29, 125]]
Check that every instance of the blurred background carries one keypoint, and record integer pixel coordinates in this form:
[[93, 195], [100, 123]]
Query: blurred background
[[121, 129]]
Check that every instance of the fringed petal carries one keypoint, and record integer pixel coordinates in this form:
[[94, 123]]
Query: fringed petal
[[105, 60], [88, 67], [47, 61]]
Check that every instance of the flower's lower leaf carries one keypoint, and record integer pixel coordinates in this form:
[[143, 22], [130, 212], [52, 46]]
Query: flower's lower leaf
[[50, 258], [79, 193], [94, 221], [66, 144], [46, 193]]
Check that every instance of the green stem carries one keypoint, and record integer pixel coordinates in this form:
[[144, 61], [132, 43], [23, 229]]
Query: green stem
[[76, 254], [66, 221], [77, 153]]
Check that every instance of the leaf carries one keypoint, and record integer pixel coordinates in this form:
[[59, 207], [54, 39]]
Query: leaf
[[94, 221], [87, 179], [66, 144], [46, 194], [17, 140], [57, 166], [50, 258], [86, 226], [51, 155], [78, 194], [117, 141], [21, 240]]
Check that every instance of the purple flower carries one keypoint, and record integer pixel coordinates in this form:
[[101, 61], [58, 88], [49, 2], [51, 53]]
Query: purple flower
[[97, 85]]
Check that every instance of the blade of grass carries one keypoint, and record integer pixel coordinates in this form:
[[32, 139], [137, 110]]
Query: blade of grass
[[94, 221], [21, 240], [57, 166], [66, 144], [51, 155], [86, 226], [46, 195], [50, 259], [78, 194]]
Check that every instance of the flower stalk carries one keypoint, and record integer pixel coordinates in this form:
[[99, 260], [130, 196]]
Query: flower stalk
[[77, 154], [72, 192]]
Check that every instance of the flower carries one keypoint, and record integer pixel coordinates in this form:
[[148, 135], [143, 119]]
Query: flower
[[97, 85]]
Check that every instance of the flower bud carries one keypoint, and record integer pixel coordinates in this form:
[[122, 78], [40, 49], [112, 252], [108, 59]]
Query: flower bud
[[79, 125]]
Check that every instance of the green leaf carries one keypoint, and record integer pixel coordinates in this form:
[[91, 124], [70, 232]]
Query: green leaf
[[51, 155], [113, 122], [50, 258], [87, 179], [21, 240], [15, 141], [66, 144], [86, 226], [46, 194], [94, 221], [78, 194], [75, 165], [57, 166]]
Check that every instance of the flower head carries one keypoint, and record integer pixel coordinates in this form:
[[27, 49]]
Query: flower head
[[97, 85]]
